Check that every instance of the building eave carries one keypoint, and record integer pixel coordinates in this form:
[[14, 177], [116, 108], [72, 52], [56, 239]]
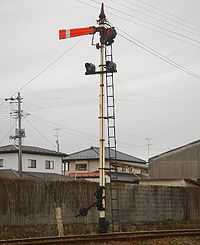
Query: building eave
[[163, 154], [33, 150]]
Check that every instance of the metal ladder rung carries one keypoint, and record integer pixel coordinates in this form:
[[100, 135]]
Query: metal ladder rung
[[111, 123], [112, 127], [114, 199]]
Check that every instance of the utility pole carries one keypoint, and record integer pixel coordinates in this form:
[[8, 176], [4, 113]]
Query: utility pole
[[19, 132], [57, 139], [19, 101], [148, 148]]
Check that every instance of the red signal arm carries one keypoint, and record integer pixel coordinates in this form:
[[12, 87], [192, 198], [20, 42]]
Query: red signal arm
[[75, 32]]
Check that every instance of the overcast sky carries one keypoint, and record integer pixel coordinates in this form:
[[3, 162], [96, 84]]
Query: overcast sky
[[153, 99]]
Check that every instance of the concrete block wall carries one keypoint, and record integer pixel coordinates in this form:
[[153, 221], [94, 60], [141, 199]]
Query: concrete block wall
[[25, 202], [29, 204], [155, 204]]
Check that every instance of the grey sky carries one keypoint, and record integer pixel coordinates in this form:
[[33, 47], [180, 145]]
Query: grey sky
[[153, 99]]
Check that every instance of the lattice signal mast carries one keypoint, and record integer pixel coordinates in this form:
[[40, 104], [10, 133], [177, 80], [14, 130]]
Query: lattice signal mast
[[107, 67]]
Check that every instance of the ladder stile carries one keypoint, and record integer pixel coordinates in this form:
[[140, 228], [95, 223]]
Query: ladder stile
[[112, 153]]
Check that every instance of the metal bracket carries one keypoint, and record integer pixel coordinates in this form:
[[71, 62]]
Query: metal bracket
[[99, 72]]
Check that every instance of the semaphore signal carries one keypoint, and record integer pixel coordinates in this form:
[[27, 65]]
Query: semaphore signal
[[107, 67]]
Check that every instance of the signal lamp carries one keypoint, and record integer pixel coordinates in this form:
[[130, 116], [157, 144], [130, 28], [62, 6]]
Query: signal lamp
[[90, 68], [111, 66], [108, 35]]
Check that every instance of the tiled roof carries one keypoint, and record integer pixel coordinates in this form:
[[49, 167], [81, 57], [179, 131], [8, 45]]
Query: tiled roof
[[92, 153], [30, 150]]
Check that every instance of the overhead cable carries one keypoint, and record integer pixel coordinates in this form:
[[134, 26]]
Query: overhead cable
[[50, 64], [41, 134], [154, 15], [168, 15], [154, 52], [161, 28]]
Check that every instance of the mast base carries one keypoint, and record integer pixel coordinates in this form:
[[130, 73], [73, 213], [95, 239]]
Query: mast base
[[103, 225]]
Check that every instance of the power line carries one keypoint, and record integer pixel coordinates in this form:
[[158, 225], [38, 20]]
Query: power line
[[155, 53], [86, 134], [50, 64], [160, 14], [41, 134], [137, 23], [161, 28], [69, 130], [6, 134], [84, 3], [167, 14]]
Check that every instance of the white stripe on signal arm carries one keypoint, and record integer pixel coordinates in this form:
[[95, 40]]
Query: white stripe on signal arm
[[68, 33]]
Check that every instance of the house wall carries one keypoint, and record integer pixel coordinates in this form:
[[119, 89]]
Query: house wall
[[93, 165], [11, 162], [134, 168], [182, 163]]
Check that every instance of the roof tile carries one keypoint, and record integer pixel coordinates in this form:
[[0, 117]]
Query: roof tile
[[30, 150], [92, 153]]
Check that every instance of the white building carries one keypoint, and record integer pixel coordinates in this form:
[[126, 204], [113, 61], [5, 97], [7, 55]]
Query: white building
[[34, 159]]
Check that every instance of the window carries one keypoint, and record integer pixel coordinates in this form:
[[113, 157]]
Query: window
[[81, 167], [31, 163], [49, 164], [1, 163], [124, 169], [138, 171]]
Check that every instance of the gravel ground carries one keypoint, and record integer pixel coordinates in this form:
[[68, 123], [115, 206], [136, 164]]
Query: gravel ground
[[166, 241]]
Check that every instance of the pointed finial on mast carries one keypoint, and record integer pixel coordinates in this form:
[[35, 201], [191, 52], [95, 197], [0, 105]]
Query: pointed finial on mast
[[102, 16]]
